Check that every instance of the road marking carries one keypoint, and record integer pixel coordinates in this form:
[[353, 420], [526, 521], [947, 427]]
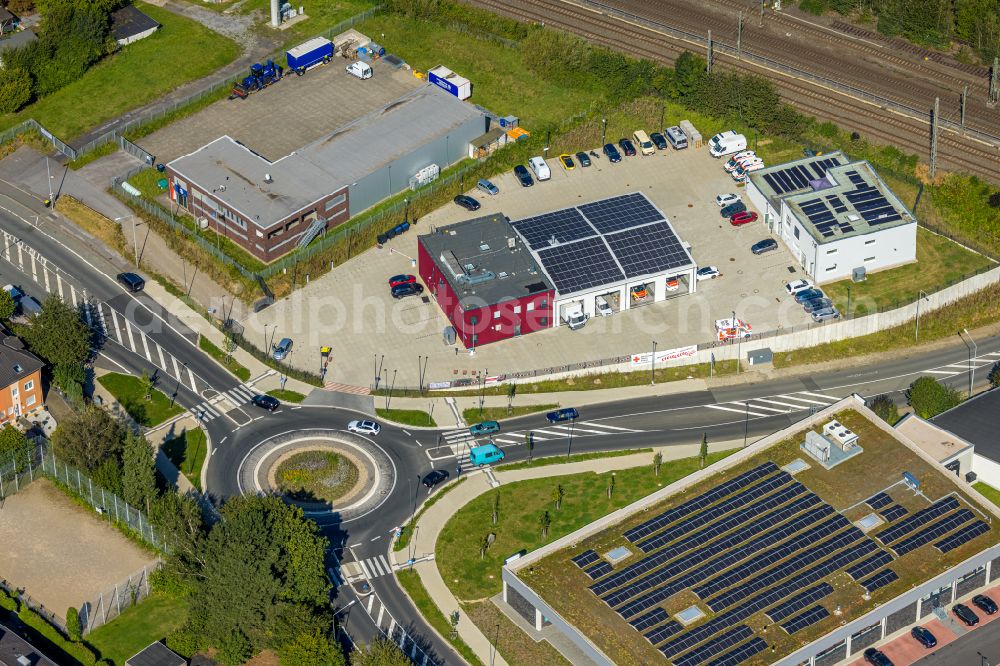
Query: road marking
[[385, 563], [145, 346], [605, 425], [796, 397], [118, 330], [738, 411], [407, 432], [770, 409], [381, 611], [377, 538], [548, 432], [131, 340], [939, 372], [778, 402], [223, 440], [371, 602], [177, 370], [191, 377], [577, 429], [364, 569]]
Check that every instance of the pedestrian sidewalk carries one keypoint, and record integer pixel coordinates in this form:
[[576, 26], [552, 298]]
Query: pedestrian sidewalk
[[433, 521]]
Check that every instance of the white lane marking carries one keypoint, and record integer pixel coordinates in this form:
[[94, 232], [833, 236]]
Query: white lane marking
[[385, 563], [177, 370], [374, 565], [131, 340], [371, 602], [819, 395], [738, 411], [145, 346], [940, 372], [163, 362], [769, 409], [605, 425], [191, 377], [223, 440], [381, 611], [806, 400], [118, 330], [578, 429], [364, 569], [548, 432], [790, 405], [407, 432]]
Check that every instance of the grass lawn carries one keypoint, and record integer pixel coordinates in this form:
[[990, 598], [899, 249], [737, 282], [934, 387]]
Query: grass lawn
[[988, 491], [150, 620], [232, 366], [498, 413], [940, 262], [317, 476], [323, 15], [410, 582], [404, 538], [181, 51], [129, 392], [284, 395], [577, 457], [187, 451], [95, 224], [413, 417]]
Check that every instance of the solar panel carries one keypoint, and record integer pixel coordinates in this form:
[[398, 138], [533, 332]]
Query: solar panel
[[622, 212], [598, 570], [580, 265], [797, 178], [846, 228], [934, 531], [894, 512], [884, 220], [881, 579], [586, 558], [799, 601], [650, 619], [820, 171], [773, 183], [921, 517], [804, 173], [653, 248], [878, 500], [864, 195], [658, 522], [741, 654], [789, 185], [810, 617], [660, 634], [967, 533], [874, 563], [715, 646], [564, 225]]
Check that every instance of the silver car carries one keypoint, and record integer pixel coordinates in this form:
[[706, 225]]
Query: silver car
[[826, 314], [364, 427], [487, 187], [817, 304]]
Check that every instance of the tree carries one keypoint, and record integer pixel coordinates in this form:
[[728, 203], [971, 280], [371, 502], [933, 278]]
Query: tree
[[15, 92], [90, 437], [14, 446], [611, 485], [58, 334], [689, 73], [178, 518], [885, 408], [496, 508], [657, 462], [230, 345], [380, 652], [545, 521], [929, 397], [994, 375], [138, 471], [557, 496], [703, 452], [147, 383], [484, 545], [311, 649], [73, 627], [7, 304]]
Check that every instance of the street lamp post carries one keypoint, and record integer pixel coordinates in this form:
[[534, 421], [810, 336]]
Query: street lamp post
[[482, 392], [604, 130], [652, 366], [973, 352], [916, 334], [569, 444], [49, 174], [847, 314], [265, 337]]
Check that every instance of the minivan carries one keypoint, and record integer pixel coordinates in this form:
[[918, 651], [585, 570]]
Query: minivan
[[487, 187], [540, 168], [485, 455], [131, 281], [645, 144], [602, 306], [281, 349], [676, 137]]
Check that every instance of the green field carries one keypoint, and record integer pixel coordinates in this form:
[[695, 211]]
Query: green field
[[137, 627], [181, 51], [322, 15], [187, 452], [474, 415], [128, 391], [231, 364]]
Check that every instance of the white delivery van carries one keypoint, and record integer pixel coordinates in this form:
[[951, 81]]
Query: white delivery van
[[574, 316], [726, 143], [540, 168], [643, 143], [602, 306], [676, 137], [360, 69]]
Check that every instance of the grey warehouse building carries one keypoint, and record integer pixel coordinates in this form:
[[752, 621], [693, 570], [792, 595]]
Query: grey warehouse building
[[270, 208]]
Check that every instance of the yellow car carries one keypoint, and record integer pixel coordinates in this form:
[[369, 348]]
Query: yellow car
[[566, 161], [639, 292]]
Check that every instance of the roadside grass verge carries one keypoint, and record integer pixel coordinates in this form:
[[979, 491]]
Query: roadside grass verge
[[971, 312], [100, 227], [514, 645], [404, 538], [412, 417], [129, 391], [157, 616], [576, 457], [940, 262], [284, 395], [187, 452], [410, 581], [473, 415], [180, 51], [207, 346], [522, 504], [988, 491]]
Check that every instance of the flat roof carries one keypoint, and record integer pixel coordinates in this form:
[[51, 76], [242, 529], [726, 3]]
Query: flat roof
[[235, 174], [129, 21], [766, 550], [975, 421], [479, 264], [832, 196], [13, 647], [932, 438]]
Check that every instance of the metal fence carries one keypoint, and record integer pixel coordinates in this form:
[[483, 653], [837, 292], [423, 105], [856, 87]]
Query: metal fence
[[108, 604], [31, 124]]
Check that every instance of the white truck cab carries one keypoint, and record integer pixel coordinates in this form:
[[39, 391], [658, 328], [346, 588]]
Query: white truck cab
[[360, 69], [574, 316], [726, 143]]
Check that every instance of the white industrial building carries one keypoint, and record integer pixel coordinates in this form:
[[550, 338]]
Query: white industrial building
[[836, 216]]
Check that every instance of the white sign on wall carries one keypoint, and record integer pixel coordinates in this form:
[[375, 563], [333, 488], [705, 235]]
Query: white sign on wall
[[644, 359]]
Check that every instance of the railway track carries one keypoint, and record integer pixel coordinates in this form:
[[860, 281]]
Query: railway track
[[955, 152]]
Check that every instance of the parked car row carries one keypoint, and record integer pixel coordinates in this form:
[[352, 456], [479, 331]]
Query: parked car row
[[741, 164], [401, 286], [812, 299]]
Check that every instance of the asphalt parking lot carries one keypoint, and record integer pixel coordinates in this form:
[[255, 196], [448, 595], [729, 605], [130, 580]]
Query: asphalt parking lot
[[350, 308]]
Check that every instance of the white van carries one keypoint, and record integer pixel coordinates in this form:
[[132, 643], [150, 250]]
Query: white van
[[540, 168], [726, 143], [675, 135], [360, 69], [602, 306], [574, 316], [643, 143]]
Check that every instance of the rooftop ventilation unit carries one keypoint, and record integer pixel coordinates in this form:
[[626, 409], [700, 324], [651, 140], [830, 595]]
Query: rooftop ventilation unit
[[844, 437], [511, 242]]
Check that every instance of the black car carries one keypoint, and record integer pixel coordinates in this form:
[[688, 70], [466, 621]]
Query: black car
[[467, 202], [877, 657], [659, 140], [265, 402], [131, 281], [923, 637], [434, 478], [612, 152], [627, 147], [810, 294], [965, 614], [733, 208], [817, 304], [763, 246], [524, 175], [566, 414], [985, 604], [408, 289], [583, 158]]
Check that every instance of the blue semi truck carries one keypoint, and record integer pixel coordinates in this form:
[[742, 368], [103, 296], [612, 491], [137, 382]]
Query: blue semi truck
[[316, 51]]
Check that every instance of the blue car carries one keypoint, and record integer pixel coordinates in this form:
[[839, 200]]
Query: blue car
[[484, 428], [763, 246], [566, 414], [523, 176], [809, 295], [612, 152], [923, 637]]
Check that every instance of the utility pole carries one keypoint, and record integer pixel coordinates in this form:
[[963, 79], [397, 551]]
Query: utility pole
[[739, 36], [708, 67], [934, 136], [965, 101], [760, 23], [994, 91]]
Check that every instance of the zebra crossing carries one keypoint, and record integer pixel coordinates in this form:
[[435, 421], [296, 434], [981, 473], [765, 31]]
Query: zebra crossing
[[777, 404], [212, 409], [461, 440], [373, 567], [952, 369]]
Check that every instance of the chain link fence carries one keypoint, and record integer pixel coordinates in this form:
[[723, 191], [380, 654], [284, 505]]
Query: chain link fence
[[108, 604]]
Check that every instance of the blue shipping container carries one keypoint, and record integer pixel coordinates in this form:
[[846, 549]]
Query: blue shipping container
[[308, 54]]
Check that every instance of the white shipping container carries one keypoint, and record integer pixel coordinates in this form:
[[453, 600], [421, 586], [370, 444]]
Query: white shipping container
[[446, 79]]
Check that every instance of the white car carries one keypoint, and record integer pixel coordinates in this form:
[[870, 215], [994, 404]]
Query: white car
[[730, 164], [742, 163], [364, 427], [540, 168], [707, 273], [796, 286], [725, 199]]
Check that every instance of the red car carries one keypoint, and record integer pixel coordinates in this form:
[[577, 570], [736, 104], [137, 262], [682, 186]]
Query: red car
[[746, 217], [396, 280]]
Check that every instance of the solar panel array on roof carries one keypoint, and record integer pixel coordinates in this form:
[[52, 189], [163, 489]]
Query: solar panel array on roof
[[921, 517], [562, 225], [967, 533], [653, 248], [810, 617], [742, 653], [715, 646], [934, 531], [661, 634], [894, 512], [581, 265], [874, 563], [881, 579], [799, 601], [586, 558], [878, 500], [797, 176], [598, 570], [650, 619], [622, 212], [870, 203]]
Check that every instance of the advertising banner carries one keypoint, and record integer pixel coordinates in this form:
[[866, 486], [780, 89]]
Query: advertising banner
[[645, 359]]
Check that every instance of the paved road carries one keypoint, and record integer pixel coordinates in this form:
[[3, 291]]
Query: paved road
[[976, 648]]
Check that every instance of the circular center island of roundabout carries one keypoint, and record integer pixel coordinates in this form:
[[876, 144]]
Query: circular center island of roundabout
[[331, 474]]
